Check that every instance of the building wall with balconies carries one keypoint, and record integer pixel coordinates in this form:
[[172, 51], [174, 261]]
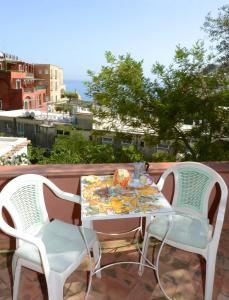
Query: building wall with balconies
[[18, 87], [53, 78]]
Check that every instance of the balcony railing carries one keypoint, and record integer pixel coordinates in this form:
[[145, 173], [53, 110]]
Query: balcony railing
[[28, 90], [28, 74], [33, 89], [40, 87]]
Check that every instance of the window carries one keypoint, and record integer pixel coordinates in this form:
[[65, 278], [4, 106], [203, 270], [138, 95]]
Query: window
[[40, 72], [40, 102], [46, 71], [8, 128], [59, 131], [56, 86], [56, 74], [25, 104], [0, 104], [36, 129], [18, 83], [126, 142], [1, 66], [107, 140], [163, 146], [20, 128], [142, 144]]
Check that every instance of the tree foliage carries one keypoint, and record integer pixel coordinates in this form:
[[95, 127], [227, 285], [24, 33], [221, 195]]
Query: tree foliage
[[118, 88], [71, 95], [218, 31], [64, 107], [185, 91], [76, 149]]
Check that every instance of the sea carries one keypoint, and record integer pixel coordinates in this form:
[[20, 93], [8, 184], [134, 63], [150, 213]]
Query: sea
[[78, 86]]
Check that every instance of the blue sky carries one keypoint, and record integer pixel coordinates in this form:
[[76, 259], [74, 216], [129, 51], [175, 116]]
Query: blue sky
[[75, 34]]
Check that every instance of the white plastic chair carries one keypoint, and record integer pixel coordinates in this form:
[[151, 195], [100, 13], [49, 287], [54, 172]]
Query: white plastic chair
[[191, 230], [53, 248]]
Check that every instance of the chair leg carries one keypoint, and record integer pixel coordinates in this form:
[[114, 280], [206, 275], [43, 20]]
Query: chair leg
[[144, 254], [55, 287], [96, 255], [89, 285], [16, 277], [210, 274]]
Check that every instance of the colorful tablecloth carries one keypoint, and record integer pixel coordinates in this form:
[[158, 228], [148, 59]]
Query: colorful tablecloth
[[101, 199]]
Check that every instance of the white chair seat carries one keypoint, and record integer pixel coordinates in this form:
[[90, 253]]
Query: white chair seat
[[185, 230], [64, 245]]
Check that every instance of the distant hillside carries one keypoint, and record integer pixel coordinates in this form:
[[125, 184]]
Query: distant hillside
[[78, 86]]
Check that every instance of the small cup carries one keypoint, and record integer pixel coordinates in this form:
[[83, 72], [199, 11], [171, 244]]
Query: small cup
[[140, 168]]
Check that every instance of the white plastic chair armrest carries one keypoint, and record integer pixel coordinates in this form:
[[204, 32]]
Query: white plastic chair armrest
[[162, 179], [29, 239], [61, 194], [69, 196]]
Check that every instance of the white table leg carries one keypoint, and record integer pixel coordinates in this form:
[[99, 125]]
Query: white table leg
[[96, 249], [144, 247], [87, 224]]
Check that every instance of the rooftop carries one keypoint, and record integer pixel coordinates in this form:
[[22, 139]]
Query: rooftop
[[11, 145]]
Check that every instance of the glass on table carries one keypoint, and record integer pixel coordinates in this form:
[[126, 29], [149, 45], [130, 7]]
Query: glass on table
[[140, 168]]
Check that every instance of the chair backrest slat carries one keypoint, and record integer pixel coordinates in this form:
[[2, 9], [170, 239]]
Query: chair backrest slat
[[193, 184], [27, 204], [192, 188], [23, 198]]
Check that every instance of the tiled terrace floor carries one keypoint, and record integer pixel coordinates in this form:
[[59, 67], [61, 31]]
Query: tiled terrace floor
[[180, 274]]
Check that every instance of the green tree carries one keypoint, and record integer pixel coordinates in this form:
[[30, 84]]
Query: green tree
[[185, 91], [71, 95], [162, 156], [64, 107], [128, 154], [218, 31], [120, 92], [75, 149], [37, 155]]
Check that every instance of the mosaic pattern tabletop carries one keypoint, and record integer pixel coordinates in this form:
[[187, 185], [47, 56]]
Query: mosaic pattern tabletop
[[102, 200]]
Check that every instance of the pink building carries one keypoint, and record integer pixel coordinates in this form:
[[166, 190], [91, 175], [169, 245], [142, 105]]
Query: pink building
[[18, 87]]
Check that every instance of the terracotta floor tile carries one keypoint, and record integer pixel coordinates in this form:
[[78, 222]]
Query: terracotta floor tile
[[180, 274]]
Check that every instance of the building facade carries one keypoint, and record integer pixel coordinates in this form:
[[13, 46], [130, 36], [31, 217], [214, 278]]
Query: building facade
[[53, 77], [19, 89], [43, 128]]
